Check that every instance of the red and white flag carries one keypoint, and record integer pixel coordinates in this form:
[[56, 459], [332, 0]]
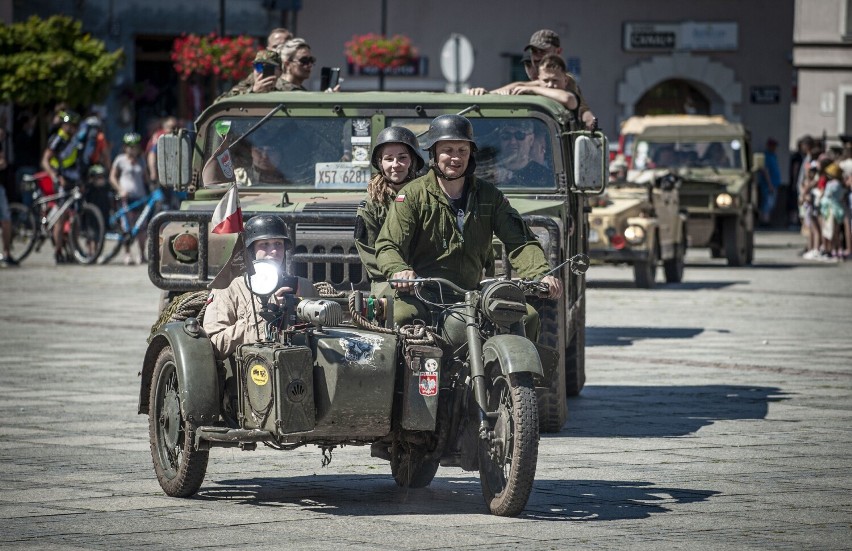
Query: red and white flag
[[228, 217]]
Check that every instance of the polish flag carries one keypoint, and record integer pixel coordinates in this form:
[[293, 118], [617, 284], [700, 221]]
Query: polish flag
[[228, 218]]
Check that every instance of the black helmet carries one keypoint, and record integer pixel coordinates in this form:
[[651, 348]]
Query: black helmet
[[449, 127], [265, 226], [397, 134]]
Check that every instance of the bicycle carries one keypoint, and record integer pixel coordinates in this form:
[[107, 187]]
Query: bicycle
[[118, 226], [83, 231]]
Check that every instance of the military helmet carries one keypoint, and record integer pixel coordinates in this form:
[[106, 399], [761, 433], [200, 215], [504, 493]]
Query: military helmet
[[265, 226], [449, 127], [397, 134]]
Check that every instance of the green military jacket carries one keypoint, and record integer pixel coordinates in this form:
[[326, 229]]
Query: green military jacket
[[371, 216], [421, 233]]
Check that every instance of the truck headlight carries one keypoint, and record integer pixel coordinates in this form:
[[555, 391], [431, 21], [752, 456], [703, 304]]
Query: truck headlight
[[635, 235], [724, 200]]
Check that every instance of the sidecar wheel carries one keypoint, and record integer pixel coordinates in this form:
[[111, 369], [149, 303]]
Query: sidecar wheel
[[408, 467], [507, 459], [180, 468]]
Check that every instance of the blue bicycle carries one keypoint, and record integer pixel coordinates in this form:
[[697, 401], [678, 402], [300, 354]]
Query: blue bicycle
[[119, 229]]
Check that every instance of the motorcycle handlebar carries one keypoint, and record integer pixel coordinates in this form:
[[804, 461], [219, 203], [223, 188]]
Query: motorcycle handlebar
[[530, 286]]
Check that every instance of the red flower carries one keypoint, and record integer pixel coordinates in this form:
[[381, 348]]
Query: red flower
[[373, 50], [227, 57]]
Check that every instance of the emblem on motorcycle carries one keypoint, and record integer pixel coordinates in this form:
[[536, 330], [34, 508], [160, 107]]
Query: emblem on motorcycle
[[359, 350], [431, 365], [259, 375], [428, 384]]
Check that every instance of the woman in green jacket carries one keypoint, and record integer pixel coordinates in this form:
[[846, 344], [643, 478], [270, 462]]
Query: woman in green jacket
[[397, 162]]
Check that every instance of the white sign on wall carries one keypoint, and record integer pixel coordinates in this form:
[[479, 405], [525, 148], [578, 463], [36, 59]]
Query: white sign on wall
[[684, 36]]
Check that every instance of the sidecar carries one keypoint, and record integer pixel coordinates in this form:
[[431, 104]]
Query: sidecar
[[329, 385]]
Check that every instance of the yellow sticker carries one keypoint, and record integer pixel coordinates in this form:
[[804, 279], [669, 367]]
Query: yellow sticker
[[259, 375]]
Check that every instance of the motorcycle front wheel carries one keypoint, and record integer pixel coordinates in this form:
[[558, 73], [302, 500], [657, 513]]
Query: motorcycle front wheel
[[180, 468], [508, 457]]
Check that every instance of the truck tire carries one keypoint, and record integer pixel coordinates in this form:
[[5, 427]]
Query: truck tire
[[734, 238], [673, 267], [575, 354], [552, 403]]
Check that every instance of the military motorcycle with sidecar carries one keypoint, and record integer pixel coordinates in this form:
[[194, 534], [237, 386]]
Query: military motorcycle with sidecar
[[331, 372]]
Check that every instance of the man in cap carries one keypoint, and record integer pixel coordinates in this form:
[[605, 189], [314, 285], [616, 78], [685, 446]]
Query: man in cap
[[441, 225], [276, 39], [541, 43]]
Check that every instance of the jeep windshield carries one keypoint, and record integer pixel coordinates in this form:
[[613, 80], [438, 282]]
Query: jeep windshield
[[326, 152], [718, 155]]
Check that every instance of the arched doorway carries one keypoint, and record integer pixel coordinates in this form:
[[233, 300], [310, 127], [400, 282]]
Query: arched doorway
[[712, 79], [673, 96]]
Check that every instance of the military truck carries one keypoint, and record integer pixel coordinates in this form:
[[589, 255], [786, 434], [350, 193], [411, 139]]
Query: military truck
[[306, 157], [713, 157], [639, 222]]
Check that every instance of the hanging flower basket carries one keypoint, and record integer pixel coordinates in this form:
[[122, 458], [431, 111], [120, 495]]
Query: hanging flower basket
[[225, 57], [374, 50]]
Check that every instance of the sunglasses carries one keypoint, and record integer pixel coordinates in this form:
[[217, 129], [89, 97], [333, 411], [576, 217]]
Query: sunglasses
[[517, 134], [306, 60]]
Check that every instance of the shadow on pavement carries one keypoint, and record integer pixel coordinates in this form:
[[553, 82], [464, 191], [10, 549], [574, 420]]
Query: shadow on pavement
[[360, 495], [659, 411], [626, 336], [662, 286]]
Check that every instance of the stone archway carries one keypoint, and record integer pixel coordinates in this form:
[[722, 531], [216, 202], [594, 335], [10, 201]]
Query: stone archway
[[712, 75]]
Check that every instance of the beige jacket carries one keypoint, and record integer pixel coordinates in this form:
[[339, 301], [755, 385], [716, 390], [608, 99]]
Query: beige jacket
[[229, 319]]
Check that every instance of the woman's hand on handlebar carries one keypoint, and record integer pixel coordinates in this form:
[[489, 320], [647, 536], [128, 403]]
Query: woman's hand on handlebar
[[403, 285], [554, 286]]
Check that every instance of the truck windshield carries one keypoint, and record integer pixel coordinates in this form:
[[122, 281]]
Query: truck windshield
[[323, 152], [512, 152], [713, 154]]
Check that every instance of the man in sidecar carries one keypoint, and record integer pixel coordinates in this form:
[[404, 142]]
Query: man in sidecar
[[442, 224], [230, 319]]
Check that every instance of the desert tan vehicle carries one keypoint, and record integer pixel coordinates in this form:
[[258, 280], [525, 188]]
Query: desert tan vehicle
[[639, 222], [713, 158]]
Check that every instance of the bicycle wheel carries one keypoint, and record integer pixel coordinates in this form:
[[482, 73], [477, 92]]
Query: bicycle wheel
[[24, 231], [86, 234], [113, 240]]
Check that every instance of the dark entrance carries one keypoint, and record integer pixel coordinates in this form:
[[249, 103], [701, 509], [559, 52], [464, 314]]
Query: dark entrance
[[673, 96]]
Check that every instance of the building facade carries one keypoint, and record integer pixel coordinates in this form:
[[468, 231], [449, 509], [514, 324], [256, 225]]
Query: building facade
[[723, 57]]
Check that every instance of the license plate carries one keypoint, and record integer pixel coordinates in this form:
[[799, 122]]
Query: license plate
[[593, 236], [341, 175]]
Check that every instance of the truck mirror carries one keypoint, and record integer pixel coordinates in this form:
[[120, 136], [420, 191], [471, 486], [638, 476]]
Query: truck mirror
[[174, 159], [591, 162]]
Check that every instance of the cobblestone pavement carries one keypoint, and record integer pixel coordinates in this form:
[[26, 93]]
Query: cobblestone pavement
[[717, 415]]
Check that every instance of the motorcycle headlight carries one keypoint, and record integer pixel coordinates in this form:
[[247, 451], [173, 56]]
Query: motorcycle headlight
[[504, 303], [724, 200], [635, 235]]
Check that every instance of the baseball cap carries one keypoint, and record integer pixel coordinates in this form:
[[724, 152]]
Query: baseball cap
[[543, 39], [268, 56]]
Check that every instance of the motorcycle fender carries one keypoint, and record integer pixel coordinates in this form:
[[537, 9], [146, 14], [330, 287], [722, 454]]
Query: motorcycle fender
[[196, 370], [516, 354]]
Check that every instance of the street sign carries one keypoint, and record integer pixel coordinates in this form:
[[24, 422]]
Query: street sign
[[457, 60]]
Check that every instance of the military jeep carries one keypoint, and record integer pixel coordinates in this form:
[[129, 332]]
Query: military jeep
[[713, 158], [640, 223], [306, 157]]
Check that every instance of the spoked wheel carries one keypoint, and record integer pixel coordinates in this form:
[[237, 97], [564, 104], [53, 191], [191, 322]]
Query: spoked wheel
[[180, 468], [113, 240], [24, 231], [409, 467], [507, 458], [86, 234]]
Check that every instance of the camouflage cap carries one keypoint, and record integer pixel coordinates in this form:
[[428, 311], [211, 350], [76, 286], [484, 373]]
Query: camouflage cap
[[288, 50], [543, 39], [268, 56]]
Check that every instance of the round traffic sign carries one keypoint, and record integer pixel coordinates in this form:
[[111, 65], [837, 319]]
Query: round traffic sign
[[457, 59]]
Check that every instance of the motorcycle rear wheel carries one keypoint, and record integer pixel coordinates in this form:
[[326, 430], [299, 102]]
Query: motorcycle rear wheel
[[409, 468], [507, 459], [179, 467]]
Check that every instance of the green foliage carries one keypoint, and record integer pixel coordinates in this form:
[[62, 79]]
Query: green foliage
[[48, 60]]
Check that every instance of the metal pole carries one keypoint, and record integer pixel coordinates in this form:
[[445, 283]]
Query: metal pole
[[221, 17], [384, 26], [457, 53]]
